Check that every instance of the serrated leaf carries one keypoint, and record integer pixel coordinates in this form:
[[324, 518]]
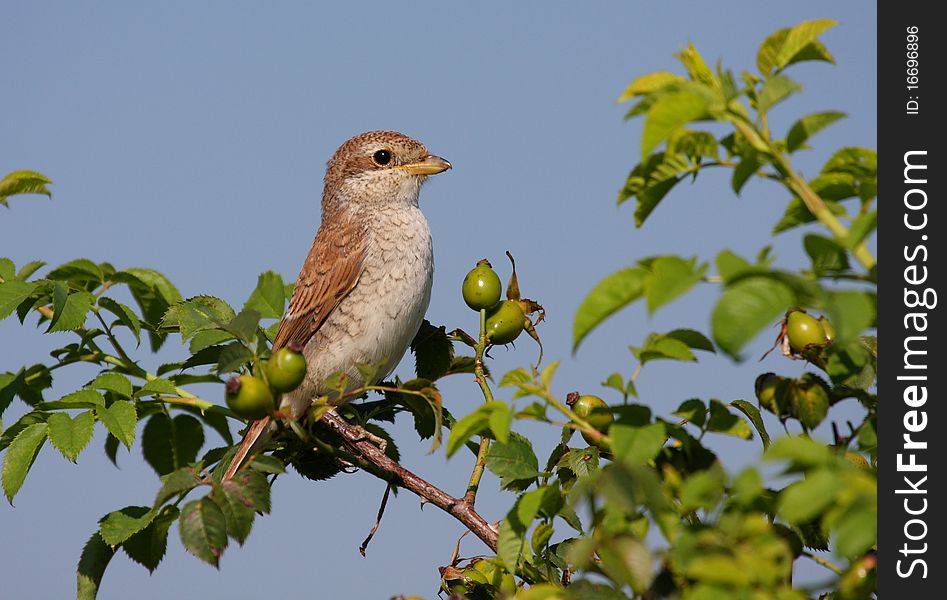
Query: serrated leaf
[[9, 386], [233, 357], [807, 498], [79, 399], [28, 269], [775, 89], [239, 514], [753, 414], [23, 182], [693, 410], [156, 386], [433, 352], [750, 163], [800, 451], [12, 293], [746, 308], [71, 314], [669, 278], [268, 298], [648, 84], [723, 421], [515, 377], [514, 459], [203, 528], [244, 325], [175, 483], [80, 270], [826, 254], [196, 314], [112, 382], [120, 419], [668, 113], [851, 313], [126, 316], [857, 530], [582, 462], [500, 421], [797, 214], [71, 436], [147, 547], [118, 526], [96, 555], [612, 293], [626, 560], [808, 126], [171, 444], [509, 545], [7, 269], [465, 428], [252, 488], [637, 444], [793, 44], [20, 456]]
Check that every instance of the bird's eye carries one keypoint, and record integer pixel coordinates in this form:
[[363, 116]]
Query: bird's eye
[[381, 157]]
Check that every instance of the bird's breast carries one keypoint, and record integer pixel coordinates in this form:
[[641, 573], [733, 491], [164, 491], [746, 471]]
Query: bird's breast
[[377, 320]]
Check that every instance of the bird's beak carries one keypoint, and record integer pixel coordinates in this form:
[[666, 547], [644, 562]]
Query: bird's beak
[[429, 165]]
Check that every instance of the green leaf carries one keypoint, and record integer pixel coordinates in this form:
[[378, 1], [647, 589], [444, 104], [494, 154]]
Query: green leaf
[[180, 481], [171, 444], [670, 277], [647, 84], [233, 357], [746, 308], [797, 214], [674, 345], [23, 182], [19, 457], [775, 89], [612, 293], [79, 399], [156, 386], [433, 352], [703, 489], [96, 555], [857, 530], [808, 126], [120, 419], [509, 545], [10, 384], [670, 112], [809, 497], [71, 436], [792, 45], [626, 560], [851, 313], [269, 297], [852, 364], [244, 325], [716, 568], [203, 528], [113, 382], [750, 163], [464, 429], [126, 316], [12, 293], [71, 314], [80, 270], [29, 268], [652, 179], [637, 444], [861, 228], [7, 269], [800, 451], [582, 462], [696, 67], [147, 547], [118, 526], [693, 410], [196, 314], [238, 512], [827, 256], [514, 459], [723, 421], [500, 421], [753, 414]]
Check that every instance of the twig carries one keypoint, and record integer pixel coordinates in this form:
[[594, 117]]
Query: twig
[[395, 474], [821, 561], [470, 496], [381, 512]]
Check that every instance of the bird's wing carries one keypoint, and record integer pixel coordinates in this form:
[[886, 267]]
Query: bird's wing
[[330, 272]]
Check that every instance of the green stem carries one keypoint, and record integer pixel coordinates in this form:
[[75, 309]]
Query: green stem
[[821, 561], [575, 419], [477, 473]]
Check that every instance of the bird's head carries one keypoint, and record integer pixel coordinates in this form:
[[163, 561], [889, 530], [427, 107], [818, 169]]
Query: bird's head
[[379, 167]]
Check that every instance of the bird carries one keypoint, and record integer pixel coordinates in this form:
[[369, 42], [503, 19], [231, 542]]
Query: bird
[[365, 285]]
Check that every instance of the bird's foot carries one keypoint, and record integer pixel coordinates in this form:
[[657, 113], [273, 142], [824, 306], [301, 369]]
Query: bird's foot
[[364, 434]]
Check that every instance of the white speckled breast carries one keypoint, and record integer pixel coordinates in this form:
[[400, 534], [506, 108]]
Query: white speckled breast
[[378, 319]]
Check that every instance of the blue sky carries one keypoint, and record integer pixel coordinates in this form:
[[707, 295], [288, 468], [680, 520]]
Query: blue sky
[[192, 139]]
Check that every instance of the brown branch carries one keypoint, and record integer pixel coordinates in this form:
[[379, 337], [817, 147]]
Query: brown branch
[[395, 474]]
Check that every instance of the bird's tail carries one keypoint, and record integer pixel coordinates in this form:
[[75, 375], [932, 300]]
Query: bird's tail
[[257, 436]]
